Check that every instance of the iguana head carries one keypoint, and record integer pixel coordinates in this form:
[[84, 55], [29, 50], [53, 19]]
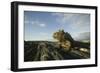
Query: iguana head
[[59, 35]]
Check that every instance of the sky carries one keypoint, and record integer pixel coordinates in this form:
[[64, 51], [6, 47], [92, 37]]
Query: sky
[[42, 25]]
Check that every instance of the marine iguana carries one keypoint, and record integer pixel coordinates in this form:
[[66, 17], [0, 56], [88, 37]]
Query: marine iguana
[[66, 41]]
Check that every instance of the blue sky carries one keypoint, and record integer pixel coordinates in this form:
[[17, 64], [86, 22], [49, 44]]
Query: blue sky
[[42, 25]]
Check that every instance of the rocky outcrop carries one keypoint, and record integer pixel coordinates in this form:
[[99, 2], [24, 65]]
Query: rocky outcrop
[[46, 51]]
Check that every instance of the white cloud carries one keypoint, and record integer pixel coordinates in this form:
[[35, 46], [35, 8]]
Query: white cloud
[[42, 25], [74, 20], [62, 17], [35, 23], [83, 36]]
